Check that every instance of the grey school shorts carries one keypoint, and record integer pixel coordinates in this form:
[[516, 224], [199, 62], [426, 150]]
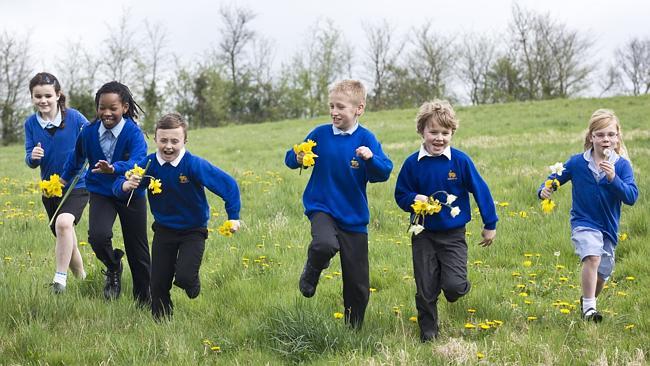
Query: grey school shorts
[[592, 242]]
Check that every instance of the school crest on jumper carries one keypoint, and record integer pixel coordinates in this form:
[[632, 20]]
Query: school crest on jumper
[[451, 175], [183, 179], [354, 163]]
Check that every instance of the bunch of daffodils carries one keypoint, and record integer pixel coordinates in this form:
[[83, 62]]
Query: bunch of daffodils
[[225, 229], [429, 207], [155, 185], [52, 187], [308, 157], [552, 183]]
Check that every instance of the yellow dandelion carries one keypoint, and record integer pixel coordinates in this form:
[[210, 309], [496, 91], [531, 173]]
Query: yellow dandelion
[[528, 302], [469, 326], [471, 311], [565, 311], [503, 204], [523, 214], [630, 278], [531, 318], [413, 319], [523, 294], [225, 228], [527, 263], [629, 326], [621, 293], [480, 355], [372, 289], [498, 322], [528, 255], [338, 315], [215, 349], [483, 326], [623, 237]]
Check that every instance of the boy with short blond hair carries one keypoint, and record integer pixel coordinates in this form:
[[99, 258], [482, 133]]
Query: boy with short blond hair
[[348, 157]]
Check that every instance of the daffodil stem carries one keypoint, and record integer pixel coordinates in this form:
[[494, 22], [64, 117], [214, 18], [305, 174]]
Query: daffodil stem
[[143, 175], [67, 193]]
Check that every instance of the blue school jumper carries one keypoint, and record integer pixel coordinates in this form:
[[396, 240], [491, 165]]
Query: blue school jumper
[[130, 148], [597, 203], [337, 185], [182, 204], [457, 176], [57, 146]]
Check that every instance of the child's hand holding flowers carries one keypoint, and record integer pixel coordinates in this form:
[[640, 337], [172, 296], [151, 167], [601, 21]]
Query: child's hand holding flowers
[[304, 154], [52, 187], [551, 185], [229, 227]]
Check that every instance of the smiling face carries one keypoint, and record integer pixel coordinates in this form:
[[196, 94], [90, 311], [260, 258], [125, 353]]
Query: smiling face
[[605, 138], [436, 137], [44, 97], [110, 109], [344, 110], [170, 142]]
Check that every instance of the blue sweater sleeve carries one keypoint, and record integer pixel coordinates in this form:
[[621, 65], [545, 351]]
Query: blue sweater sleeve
[[117, 185], [623, 186], [219, 183], [481, 192], [138, 152], [75, 160], [405, 189], [565, 177], [378, 167], [29, 146]]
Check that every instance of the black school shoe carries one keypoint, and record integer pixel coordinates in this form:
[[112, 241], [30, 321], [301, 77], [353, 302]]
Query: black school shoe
[[309, 280], [193, 292], [591, 314], [113, 283]]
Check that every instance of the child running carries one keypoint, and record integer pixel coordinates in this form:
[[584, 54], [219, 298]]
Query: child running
[[50, 136], [349, 156], [440, 172], [113, 144], [601, 179], [180, 210]]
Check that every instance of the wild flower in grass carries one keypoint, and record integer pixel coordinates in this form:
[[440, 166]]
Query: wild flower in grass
[[480, 355], [396, 310], [498, 323], [531, 318], [527, 263], [523, 214], [621, 293], [563, 279], [470, 326], [503, 204], [215, 349], [523, 294], [483, 326], [622, 237], [521, 286], [629, 326], [516, 274], [630, 278], [413, 319], [206, 342], [559, 266], [226, 229], [528, 255], [471, 311], [52, 187], [338, 315], [565, 311], [477, 263], [528, 302], [372, 289]]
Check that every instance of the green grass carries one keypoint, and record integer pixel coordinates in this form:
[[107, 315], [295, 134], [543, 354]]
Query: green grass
[[250, 307]]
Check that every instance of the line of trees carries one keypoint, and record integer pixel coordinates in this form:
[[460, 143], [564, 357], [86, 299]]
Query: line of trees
[[235, 81]]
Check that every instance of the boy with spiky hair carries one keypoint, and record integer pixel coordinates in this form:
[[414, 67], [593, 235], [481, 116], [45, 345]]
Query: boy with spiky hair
[[348, 157]]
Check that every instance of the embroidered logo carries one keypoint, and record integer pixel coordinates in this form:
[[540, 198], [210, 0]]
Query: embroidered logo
[[451, 175], [354, 163], [183, 179]]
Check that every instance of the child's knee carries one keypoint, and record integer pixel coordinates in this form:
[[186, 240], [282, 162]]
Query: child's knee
[[455, 289], [324, 247]]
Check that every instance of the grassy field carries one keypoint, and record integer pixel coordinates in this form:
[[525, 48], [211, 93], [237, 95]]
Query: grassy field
[[250, 310]]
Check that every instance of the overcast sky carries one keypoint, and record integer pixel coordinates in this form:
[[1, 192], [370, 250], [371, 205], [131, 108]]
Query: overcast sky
[[193, 28]]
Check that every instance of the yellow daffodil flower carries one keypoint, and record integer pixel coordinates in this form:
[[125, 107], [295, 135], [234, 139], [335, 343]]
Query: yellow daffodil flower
[[548, 205], [225, 228], [51, 187], [155, 186], [557, 168], [136, 170]]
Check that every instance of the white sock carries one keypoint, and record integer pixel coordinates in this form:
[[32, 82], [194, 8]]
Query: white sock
[[588, 302], [60, 277]]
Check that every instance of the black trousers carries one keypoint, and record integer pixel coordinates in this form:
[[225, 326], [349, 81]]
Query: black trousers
[[439, 265], [327, 240], [174, 253], [133, 220]]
